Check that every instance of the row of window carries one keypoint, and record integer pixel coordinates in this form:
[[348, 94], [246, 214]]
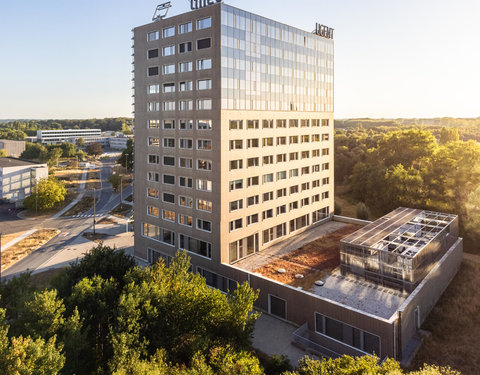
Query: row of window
[[270, 213], [185, 182], [182, 219], [202, 84], [182, 201], [183, 28], [185, 242], [280, 193], [183, 105], [239, 144], [183, 144], [182, 124], [182, 48], [269, 124], [202, 165], [241, 183], [183, 67], [280, 158]]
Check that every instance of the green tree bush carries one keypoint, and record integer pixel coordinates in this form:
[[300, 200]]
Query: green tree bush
[[47, 194]]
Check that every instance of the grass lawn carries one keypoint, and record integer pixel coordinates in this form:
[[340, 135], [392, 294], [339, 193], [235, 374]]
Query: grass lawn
[[455, 324]]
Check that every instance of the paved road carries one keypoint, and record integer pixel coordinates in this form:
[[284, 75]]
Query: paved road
[[70, 227]]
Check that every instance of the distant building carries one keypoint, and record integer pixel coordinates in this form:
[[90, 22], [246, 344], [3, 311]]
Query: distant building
[[17, 177], [69, 135], [119, 143], [13, 148]]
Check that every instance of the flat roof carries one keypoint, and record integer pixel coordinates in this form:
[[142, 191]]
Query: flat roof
[[404, 231], [14, 162], [315, 254]]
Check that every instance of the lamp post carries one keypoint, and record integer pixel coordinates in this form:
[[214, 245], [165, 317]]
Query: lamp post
[[121, 193]]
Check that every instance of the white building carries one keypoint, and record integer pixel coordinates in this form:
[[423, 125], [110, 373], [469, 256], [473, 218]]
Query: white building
[[69, 135], [119, 143], [17, 177]]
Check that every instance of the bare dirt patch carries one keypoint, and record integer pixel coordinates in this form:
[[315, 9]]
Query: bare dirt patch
[[93, 180], [27, 246], [313, 260], [97, 237], [84, 205], [106, 220], [121, 210], [6, 238], [71, 177]]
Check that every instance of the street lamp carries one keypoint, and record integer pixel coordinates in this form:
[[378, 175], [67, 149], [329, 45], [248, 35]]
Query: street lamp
[[121, 193], [94, 209]]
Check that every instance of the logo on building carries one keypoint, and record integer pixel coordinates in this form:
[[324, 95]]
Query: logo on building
[[322, 30], [197, 4]]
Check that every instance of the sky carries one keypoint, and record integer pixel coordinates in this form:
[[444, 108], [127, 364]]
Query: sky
[[413, 58]]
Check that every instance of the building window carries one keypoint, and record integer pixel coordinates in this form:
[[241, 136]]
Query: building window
[[267, 141], [304, 123], [325, 166], [236, 184], [281, 209], [325, 195], [305, 154], [320, 214], [168, 50], [169, 124], [153, 71], [185, 144], [267, 214], [195, 246], [152, 193], [204, 23], [153, 89], [305, 186], [153, 124], [325, 122], [185, 201], [185, 28], [168, 32], [152, 141], [153, 159], [236, 164], [169, 198], [186, 124], [252, 124], [158, 234], [185, 163], [185, 47], [293, 139], [204, 144], [204, 205], [266, 178], [168, 215], [168, 179], [236, 124], [305, 138], [169, 69], [185, 220], [325, 137], [169, 106], [186, 105], [236, 144], [325, 181], [185, 67], [204, 84], [281, 175], [293, 123], [253, 162], [268, 159], [204, 104], [281, 141], [315, 123], [281, 123], [186, 182], [153, 211], [168, 87], [205, 165], [204, 124], [152, 53], [185, 86], [253, 200], [293, 156], [267, 124], [252, 219], [204, 64], [154, 35], [204, 43], [236, 224], [347, 334], [281, 192], [293, 189], [305, 170], [253, 181], [281, 158], [169, 142], [204, 225], [253, 142], [204, 185], [169, 161], [236, 205], [267, 196]]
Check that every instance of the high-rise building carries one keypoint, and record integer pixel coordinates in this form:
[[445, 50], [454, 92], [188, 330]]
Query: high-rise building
[[234, 133], [234, 164]]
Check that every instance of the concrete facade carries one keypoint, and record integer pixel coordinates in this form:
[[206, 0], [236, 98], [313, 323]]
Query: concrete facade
[[68, 135], [17, 177], [13, 148]]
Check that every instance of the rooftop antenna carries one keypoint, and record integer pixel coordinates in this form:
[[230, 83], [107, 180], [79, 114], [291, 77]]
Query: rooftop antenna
[[161, 11]]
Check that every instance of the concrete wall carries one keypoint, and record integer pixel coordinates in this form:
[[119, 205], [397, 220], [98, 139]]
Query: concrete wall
[[16, 182], [13, 148], [427, 293]]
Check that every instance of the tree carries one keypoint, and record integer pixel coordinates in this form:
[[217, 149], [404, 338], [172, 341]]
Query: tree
[[362, 211], [68, 150], [3, 153], [94, 149], [12, 134], [126, 159], [80, 142], [33, 151], [53, 155], [47, 194], [448, 135], [115, 180]]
